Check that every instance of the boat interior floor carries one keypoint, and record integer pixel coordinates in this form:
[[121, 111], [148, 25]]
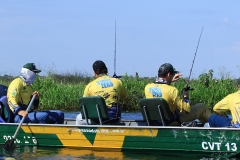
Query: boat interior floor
[[71, 121]]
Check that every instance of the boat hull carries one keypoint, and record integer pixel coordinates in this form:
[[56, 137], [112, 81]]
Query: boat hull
[[211, 141]]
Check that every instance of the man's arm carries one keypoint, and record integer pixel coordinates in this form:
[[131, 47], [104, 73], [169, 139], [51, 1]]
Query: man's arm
[[13, 95], [222, 106], [36, 100], [182, 103], [85, 92]]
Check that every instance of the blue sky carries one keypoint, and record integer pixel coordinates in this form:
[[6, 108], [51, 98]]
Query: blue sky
[[68, 36]]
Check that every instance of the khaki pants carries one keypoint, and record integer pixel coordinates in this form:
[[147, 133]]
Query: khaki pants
[[198, 111]]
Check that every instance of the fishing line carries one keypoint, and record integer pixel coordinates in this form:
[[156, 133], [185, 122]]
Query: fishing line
[[211, 55]]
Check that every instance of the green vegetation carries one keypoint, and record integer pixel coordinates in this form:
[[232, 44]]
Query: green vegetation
[[62, 91]]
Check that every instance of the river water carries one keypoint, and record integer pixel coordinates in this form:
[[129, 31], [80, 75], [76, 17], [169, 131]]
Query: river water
[[47, 153]]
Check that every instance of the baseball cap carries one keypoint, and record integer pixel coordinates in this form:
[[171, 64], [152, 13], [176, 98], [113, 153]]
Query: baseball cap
[[32, 67], [98, 65], [166, 68]]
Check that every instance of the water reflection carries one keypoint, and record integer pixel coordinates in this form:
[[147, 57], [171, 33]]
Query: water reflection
[[51, 153], [44, 153]]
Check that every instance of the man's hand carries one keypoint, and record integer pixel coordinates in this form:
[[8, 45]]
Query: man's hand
[[23, 113], [37, 94], [176, 77]]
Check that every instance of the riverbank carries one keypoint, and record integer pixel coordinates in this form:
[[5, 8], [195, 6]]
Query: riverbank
[[63, 91]]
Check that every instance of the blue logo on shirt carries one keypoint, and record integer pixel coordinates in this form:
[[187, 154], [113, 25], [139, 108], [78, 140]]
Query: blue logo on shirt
[[156, 92], [106, 83]]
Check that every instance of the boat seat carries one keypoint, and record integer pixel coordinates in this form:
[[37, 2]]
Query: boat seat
[[95, 109], [3, 90], [6, 115], [155, 109], [5, 112]]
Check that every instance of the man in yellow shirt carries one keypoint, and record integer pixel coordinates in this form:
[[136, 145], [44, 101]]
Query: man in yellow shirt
[[111, 89], [180, 106], [230, 103], [19, 94]]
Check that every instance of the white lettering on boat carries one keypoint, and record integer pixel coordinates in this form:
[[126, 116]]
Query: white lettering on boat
[[27, 139], [218, 146], [232, 146], [97, 130]]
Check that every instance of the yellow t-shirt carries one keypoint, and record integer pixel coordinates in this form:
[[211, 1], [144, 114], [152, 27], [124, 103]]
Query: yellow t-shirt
[[111, 89], [18, 93], [230, 103], [169, 93]]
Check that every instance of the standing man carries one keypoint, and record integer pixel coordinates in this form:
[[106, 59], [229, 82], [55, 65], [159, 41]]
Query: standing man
[[111, 89], [19, 95], [180, 107], [230, 103]]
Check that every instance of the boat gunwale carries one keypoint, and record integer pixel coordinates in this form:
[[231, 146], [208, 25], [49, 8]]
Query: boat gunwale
[[123, 126]]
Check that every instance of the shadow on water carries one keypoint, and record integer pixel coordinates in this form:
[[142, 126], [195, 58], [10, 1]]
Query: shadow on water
[[51, 153]]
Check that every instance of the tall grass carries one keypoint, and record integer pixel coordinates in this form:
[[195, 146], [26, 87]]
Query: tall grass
[[62, 91], [209, 90], [135, 88]]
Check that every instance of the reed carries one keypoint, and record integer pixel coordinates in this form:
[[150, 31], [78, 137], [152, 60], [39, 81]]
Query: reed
[[62, 91]]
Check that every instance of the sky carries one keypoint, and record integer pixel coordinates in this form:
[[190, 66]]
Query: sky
[[63, 36]]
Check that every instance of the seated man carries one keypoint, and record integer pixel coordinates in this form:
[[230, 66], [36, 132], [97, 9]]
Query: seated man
[[230, 103], [19, 94], [111, 89], [180, 107]]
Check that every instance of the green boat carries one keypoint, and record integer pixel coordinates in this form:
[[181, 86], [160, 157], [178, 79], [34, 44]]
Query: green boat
[[209, 141], [129, 135]]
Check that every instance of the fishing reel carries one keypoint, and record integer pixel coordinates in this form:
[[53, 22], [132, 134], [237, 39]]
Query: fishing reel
[[115, 76], [187, 88]]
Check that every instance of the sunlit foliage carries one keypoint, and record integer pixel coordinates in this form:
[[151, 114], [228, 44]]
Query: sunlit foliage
[[62, 91]]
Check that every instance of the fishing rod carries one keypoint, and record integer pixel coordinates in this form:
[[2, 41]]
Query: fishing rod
[[115, 55], [187, 86]]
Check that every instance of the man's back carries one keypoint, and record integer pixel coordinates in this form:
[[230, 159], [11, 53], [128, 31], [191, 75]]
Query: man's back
[[229, 103], [111, 89], [167, 92]]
